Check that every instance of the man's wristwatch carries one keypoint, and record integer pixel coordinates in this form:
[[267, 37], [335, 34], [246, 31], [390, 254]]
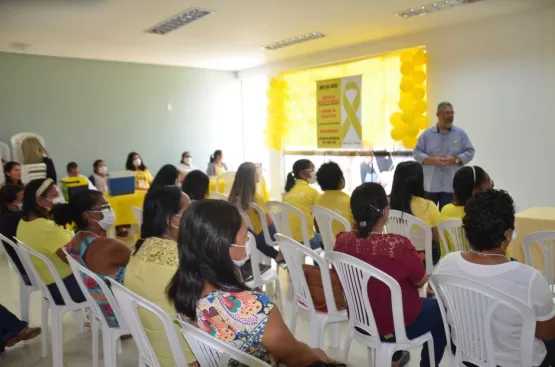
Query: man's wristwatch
[[457, 160]]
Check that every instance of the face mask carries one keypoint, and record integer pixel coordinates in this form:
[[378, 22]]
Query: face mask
[[58, 200], [514, 235], [240, 263], [102, 170], [137, 162], [188, 161], [312, 178], [108, 218]]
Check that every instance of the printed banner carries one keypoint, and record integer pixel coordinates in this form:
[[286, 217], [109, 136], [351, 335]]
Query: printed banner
[[338, 119]]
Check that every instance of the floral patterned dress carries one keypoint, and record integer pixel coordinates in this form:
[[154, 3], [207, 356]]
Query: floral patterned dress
[[237, 318]]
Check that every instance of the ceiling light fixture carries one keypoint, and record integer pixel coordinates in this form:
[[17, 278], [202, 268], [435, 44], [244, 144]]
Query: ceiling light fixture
[[188, 16], [433, 7], [294, 40]]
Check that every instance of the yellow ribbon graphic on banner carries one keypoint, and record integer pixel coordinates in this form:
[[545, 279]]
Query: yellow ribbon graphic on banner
[[350, 110]]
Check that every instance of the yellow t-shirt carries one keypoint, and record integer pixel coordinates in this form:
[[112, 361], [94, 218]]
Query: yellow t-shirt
[[148, 273], [302, 196], [340, 203], [451, 211], [425, 210], [46, 237], [220, 170], [143, 179], [253, 215]]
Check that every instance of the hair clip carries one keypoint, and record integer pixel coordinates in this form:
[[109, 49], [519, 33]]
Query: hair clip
[[362, 224], [373, 207]]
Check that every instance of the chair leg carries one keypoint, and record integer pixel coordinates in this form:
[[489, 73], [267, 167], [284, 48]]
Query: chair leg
[[278, 294], [120, 347], [95, 328], [24, 302], [335, 335], [109, 348], [383, 357], [79, 320], [315, 334], [294, 314], [57, 338], [44, 321], [431, 352], [347, 346]]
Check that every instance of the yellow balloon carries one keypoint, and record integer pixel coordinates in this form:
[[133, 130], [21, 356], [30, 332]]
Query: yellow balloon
[[421, 122], [410, 130], [418, 76], [418, 93], [397, 134], [406, 105], [409, 142], [396, 119], [407, 56], [274, 82], [408, 117], [420, 107], [406, 85], [407, 68], [420, 58]]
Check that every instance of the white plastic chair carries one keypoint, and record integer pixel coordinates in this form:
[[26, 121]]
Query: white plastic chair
[[30, 172], [402, 223], [2, 177], [546, 243], [295, 255], [470, 308], [129, 304], [281, 214], [228, 178], [218, 196], [17, 140], [455, 230], [138, 214], [264, 223], [5, 152], [354, 275], [211, 352], [24, 289], [56, 311], [325, 219], [111, 336], [270, 276]]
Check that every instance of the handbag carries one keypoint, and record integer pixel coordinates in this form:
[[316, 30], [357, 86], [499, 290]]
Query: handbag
[[313, 277]]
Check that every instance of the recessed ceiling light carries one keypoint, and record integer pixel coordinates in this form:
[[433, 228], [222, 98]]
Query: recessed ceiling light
[[433, 7], [188, 16], [294, 40]]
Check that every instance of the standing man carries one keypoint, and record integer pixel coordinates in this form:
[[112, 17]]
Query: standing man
[[442, 150]]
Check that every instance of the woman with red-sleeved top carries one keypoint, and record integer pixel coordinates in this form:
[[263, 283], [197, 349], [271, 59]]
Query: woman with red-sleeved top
[[395, 255]]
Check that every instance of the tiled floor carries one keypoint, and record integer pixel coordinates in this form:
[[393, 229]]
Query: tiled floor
[[77, 348]]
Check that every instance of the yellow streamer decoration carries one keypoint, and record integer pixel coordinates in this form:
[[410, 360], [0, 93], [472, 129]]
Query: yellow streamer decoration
[[351, 111]]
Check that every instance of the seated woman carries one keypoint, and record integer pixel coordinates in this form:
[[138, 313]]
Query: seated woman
[[489, 224], [155, 261], [186, 164], [11, 201], [37, 231], [99, 178], [396, 256], [143, 177], [243, 193], [212, 244], [331, 181], [216, 167], [107, 257], [408, 196], [13, 330], [12, 173], [467, 182], [301, 195], [34, 152], [168, 175], [196, 185]]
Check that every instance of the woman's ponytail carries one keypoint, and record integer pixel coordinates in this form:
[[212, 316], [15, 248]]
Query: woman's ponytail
[[290, 182]]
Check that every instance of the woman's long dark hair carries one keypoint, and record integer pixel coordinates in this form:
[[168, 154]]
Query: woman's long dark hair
[[72, 212], [7, 168], [166, 176], [367, 204], [160, 205], [408, 181], [196, 185], [207, 230], [298, 166], [30, 205], [8, 194], [465, 181], [217, 153], [129, 163]]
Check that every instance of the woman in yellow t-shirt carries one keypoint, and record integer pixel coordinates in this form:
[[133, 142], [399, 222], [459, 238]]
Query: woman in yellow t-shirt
[[143, 177], [242, 194], [301, 195], [408, 196], [216, 166], [467, 182], [331, 181]]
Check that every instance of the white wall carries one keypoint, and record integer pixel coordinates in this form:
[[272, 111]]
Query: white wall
[[500, 76]]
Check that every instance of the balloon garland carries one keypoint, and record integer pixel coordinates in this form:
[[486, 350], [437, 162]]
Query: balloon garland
[[276, 120]]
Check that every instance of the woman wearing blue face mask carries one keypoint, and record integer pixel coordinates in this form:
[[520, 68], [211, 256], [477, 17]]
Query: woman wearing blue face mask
[[107, 257]]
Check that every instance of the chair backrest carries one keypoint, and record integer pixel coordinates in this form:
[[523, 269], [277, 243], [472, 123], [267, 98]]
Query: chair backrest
[[546, 243], [15, 247], [5, 151], [2, 177], [470, 306], [138, 214], [263, 223], [404, 224], [228, 178], [30, 172], [354, 275], [295, 255], [79, 271], [455, 232], [26, 254], [17, 140], [256, 258], [325, 219], [218, 196], [211, 352], [129, 303], [282, 213]]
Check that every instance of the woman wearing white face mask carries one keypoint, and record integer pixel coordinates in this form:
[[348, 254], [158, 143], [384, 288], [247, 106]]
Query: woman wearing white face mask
[[99, 178], [301, 195], [143, 177], [186, 164], [105, 256], [212, 244]]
